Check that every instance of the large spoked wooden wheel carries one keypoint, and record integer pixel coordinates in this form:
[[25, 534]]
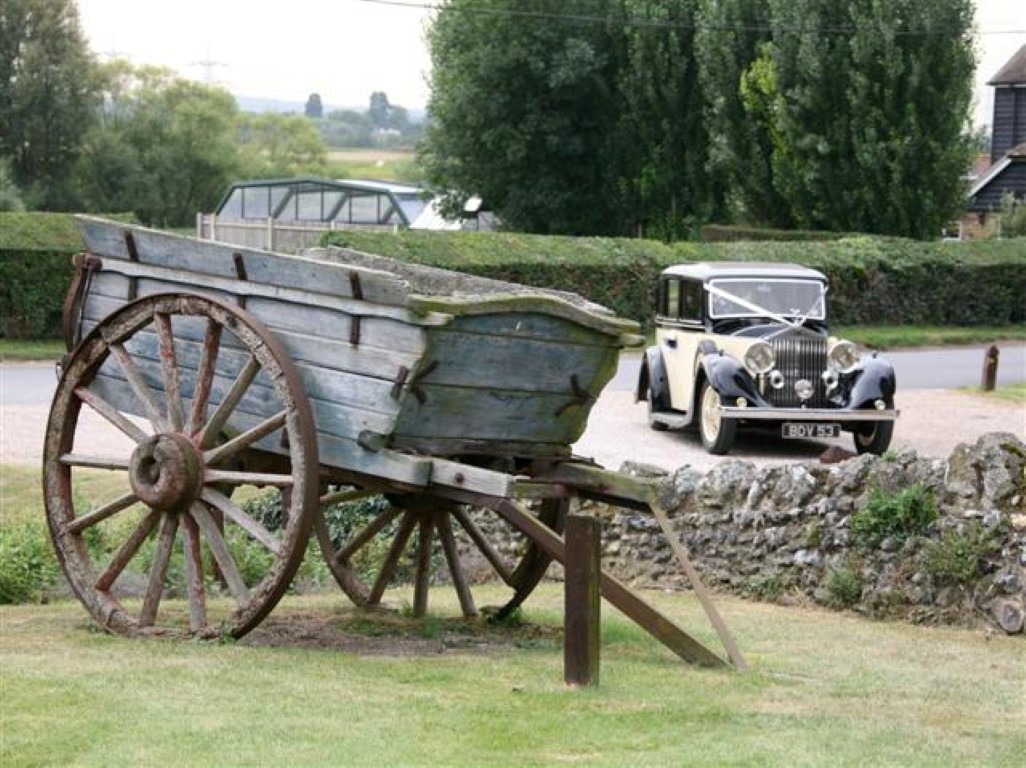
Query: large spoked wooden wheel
[[220, 414], [422, 530]]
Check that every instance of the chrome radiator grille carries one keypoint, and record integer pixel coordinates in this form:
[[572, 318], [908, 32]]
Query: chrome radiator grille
[[799, 356]]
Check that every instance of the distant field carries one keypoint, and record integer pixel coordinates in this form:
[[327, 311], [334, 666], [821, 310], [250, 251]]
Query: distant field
[[369, 155], [367, 163]]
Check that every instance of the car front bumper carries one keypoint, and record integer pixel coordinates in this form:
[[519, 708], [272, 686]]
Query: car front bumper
[[806, 414]]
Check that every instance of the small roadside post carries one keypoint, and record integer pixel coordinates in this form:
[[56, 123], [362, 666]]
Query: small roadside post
[[990, 365]]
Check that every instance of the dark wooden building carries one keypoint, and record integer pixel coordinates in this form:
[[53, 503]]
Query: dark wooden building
[[1009, 126], [1007, 172]]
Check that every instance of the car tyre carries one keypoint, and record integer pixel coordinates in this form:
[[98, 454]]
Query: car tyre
[[873, 436], [718, 434]]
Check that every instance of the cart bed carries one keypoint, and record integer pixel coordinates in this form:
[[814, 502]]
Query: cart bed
[[391, 355]]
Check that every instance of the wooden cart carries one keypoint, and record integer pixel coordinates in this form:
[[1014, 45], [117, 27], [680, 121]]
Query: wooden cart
[[330, 378]]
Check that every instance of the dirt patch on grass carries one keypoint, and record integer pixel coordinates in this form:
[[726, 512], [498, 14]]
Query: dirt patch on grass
[[394, 634]]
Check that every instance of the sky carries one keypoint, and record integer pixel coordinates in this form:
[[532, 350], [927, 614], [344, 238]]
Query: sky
[[346, 49]]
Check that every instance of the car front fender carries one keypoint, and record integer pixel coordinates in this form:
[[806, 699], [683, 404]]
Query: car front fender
[[652, 375], [730, 379], [876, 381]]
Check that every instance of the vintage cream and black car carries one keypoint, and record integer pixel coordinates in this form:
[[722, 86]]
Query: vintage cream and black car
[[747, 343]]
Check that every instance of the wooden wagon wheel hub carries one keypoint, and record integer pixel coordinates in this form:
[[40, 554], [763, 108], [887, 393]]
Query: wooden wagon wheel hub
[[166, 472]]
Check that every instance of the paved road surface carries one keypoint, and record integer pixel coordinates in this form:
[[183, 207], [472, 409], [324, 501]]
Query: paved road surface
[[932, 420], [34, 383]]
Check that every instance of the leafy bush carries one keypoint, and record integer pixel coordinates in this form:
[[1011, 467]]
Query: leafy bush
[[1013, 216], [958, 557], [873, 280], [28, 566], [32, 290], [344, 521], [719, 233], [893, 515], [843, 587]]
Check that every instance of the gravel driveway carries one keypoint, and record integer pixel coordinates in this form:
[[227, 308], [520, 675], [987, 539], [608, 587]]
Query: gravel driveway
[[932, 422]]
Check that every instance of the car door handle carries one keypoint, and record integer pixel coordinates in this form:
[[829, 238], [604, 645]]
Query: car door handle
[[671, 342]]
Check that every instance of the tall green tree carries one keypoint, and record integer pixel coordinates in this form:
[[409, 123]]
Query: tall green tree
[[10, 195], [729, 39], [48, 94], [662, 139], [867, 104], [522, 109], [281, 145], [314, 108], [164, 148]]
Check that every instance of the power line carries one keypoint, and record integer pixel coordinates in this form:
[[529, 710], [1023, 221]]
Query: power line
[[663, 23]]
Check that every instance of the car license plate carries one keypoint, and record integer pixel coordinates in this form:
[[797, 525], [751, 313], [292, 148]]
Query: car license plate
[[794, 430]]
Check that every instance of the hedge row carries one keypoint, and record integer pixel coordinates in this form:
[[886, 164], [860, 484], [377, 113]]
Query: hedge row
[[721, 233], [873, 281], [33, 285]]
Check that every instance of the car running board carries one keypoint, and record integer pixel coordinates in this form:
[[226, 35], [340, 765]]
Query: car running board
[[671, 420]]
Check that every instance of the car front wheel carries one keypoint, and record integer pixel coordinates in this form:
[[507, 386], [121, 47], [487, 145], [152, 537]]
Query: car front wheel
[[717, 433], [873, 437]]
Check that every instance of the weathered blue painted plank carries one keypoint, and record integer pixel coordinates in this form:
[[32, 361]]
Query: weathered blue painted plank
[[492, 415], [203, 257], [531, 365]]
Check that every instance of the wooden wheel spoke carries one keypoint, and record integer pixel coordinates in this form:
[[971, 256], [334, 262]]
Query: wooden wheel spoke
[[194, 574], [169, 363], [158, 571], [139, 387], [94, 462], [422, 580], [482, 543], [127, 551], [237, 515], [232, 477], [204, 377], [246, 439], [190, 398], [459, 578], [102, 513], [369, 531], [216, 423], [111, 414], [222, 556], [406, 527]]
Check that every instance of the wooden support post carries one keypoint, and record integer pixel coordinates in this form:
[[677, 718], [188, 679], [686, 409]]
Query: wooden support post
[[582, 608], [990, 365]]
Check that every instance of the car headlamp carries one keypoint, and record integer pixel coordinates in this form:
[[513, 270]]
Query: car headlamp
[[843, 357], [759, 358]]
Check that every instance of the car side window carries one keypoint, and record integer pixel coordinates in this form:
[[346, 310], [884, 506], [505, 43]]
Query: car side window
[[691, 302], [671, 299]]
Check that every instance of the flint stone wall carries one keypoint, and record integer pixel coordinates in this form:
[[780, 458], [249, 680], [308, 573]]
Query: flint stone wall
[[784, 533]]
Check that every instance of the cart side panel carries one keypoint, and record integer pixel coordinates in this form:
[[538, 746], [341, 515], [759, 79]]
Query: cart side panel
[[349, 377], [506, 384]]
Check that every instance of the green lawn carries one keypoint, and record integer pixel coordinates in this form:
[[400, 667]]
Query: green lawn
[[891, 337], [824, 689]]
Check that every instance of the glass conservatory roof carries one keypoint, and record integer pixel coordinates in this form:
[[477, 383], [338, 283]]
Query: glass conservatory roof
[[346, 201]]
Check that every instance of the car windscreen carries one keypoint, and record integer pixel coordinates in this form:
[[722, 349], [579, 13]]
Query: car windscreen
[[754, 297]]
